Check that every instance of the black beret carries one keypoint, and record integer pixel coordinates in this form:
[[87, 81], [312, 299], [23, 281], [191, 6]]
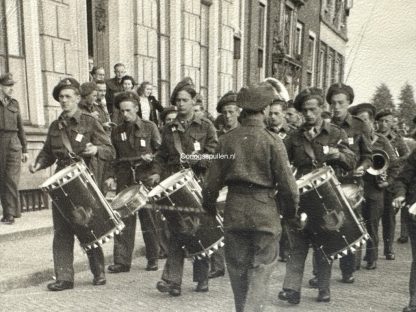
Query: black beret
[[166, 111], [126, 96], [256, 97], [66, 83], [87, 88], [307, 94], [384, 112], [7, 79], [229, 98], [338, 88], [185, 82], [362, 107]]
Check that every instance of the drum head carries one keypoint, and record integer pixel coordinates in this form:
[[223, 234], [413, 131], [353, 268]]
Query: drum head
[[412, 212], [170, 184], [64, 176], [314, 179], [125, 196]]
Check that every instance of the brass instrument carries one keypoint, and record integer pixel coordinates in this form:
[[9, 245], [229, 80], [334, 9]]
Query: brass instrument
[[381, 162]]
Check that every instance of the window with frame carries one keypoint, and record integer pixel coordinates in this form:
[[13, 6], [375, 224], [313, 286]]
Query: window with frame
[[204, 52], [322, 73], [164, 52], [288, 36], [262, 26], [310, 65], [298, 40]]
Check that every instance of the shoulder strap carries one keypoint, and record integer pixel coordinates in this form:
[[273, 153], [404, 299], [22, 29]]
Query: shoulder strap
[[177, 141], [65, 140]]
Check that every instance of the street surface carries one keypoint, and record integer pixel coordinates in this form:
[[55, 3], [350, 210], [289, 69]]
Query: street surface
[[384, 289]]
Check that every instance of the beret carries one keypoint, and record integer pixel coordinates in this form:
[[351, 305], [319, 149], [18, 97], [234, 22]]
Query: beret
[[185, 82], [362, 107], [307, 94], [66, 83], [87, 88], [166, 111], [7, 79], [126, 96], [256, 97], [229, 98], [384, 112], [338, 88], [279, 87]]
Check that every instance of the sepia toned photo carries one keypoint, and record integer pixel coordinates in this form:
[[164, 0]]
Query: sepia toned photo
[[207, 155]]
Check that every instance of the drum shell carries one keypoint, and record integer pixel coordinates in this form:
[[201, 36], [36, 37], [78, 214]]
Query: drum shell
[[130, 200], [84, 207], [332, 224]]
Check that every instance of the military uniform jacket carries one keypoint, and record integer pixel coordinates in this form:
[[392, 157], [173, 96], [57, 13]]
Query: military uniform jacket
[[405, 184], [11, 121], [132, 140], [283, 132], [299, 150], [96, 110], [380, 142], [257, 160], [223, 131], [359, 141], [81, 128], [113, 87], [199, 137], [399, 145]]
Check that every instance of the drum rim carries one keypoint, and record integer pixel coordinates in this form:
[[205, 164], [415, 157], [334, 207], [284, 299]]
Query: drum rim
[[104, 238], [76, 169], [160, 191], [198, 255], [137, 187], [306, 181]]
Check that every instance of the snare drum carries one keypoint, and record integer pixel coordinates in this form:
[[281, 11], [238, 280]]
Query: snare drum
[[129, 200], [179, 197], [354, 194], [77, 197], [332, 224]]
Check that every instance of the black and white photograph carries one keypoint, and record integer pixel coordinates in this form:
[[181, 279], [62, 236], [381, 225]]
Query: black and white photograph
[[208, 155]]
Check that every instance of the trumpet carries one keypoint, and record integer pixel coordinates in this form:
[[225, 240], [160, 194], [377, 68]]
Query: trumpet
[[381, 162]]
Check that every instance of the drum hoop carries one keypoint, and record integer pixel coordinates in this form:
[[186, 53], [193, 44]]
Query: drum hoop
[[356, 244], [207, 252], [138, 190], [314, 179], [104, 238], [180, 178], [64, 176]]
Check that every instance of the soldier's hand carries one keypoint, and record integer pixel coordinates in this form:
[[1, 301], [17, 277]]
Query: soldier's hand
[[398, 202], [25, 157], [34, 167], [90, 150], [153, 179], [359, 172], [110, 184], [147, 157]]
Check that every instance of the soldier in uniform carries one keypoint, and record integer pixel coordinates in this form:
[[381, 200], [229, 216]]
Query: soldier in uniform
[[79, 133], [114, 85], [340, 96], [404, 191], [293, 117], [314, 144], [251, 220], [375, 186], [13, 150], [384, 119], [135, 142], [186, 135]]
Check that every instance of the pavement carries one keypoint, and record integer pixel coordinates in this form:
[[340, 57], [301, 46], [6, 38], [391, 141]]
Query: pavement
[[26, 251], [26, 267]]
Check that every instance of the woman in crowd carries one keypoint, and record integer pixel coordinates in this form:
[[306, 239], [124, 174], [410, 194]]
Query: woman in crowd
[[149, 105]]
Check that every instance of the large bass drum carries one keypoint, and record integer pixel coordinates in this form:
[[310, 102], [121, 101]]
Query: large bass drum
[[77, 197], [179, 197], [332, 224]]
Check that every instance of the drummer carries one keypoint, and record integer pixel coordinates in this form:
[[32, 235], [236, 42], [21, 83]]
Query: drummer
[[315, 143], [375, 186], [80, 135], [186, 136], [136, 141]]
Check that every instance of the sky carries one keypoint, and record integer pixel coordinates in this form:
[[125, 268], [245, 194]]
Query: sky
[[387, 52]]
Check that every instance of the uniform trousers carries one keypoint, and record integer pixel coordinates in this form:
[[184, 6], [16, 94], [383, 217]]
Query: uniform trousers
[[173, 270], [411, 225], [372, 212], [284, 242], [251, 258], [124, 242], [389, 222], [10, 164], [217, 261], [63, 250], [299, 247], [404, 232]]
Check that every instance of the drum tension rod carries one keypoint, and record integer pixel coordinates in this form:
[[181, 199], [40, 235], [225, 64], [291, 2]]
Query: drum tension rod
[[326, 256]]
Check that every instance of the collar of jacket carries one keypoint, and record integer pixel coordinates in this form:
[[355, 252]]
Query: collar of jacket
[[76, 117], [86, 106], [177, 124], [325, 126], [347, 121]]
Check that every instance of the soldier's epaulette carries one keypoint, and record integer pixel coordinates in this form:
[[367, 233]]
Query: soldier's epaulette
[[149, 122], [87, 114], [206, 120]]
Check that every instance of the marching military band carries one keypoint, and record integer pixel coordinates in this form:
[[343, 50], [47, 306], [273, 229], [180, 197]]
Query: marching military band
[[289, 169]]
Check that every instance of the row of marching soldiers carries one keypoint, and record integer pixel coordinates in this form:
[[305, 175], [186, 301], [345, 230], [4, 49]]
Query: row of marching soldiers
[[253, 129]]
